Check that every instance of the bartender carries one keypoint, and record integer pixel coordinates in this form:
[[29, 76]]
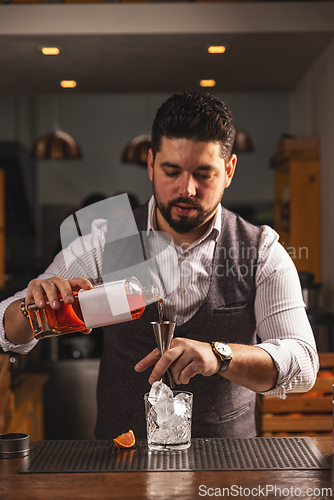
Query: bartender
[[241, 328]]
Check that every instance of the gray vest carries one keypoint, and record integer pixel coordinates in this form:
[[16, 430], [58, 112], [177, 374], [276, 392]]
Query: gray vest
[[220, 408]]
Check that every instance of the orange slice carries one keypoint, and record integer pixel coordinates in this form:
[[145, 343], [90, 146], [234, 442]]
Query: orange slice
[[126, 440], [325, 374]]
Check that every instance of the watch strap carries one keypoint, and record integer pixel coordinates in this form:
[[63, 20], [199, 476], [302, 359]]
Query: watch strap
[[225, 361], [24, 309]]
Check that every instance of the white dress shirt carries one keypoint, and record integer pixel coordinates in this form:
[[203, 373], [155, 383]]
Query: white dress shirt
[[281, 319]]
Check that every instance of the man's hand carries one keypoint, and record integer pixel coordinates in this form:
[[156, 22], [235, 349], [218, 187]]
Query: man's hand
[[48, 290], [17, 327], [186, 358], [251, 366]]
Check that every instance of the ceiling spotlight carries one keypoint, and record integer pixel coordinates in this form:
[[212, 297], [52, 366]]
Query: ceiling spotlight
[[216, 49], [68, 84], [50, 51], [207, 83]]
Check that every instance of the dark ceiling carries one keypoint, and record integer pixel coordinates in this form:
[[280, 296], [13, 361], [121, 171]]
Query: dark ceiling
[[156, 56]]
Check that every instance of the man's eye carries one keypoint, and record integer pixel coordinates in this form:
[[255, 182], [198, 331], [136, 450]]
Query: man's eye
[[171, 174], [202, 176]]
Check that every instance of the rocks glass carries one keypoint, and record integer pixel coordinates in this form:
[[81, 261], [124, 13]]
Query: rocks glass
[[168, 418]]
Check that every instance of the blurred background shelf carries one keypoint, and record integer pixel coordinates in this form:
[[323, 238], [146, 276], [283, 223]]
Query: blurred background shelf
[[297, 201], [309, 413], [28, 416]]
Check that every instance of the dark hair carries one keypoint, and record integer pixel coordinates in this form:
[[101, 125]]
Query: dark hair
[[197, 116]]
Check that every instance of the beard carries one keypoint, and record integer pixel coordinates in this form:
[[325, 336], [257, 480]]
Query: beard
[[185, 224]]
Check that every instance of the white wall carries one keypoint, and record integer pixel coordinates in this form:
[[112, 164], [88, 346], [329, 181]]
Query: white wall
[[312, 114]]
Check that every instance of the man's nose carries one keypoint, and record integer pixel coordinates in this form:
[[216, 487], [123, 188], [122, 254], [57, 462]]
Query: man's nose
[[188, 186]]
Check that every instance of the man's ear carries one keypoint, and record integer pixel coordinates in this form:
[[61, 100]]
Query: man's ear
[[230, 169], [150, 164]]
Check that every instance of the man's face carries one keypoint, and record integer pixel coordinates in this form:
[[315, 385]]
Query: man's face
[[189, 179]]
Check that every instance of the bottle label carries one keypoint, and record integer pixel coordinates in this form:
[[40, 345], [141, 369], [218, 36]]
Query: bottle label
[[105, 305]]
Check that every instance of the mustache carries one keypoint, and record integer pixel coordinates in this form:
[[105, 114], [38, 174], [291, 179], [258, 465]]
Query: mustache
[[187, 201]]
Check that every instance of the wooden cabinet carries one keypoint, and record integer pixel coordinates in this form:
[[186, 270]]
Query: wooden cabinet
[[28, 415], [297, 202], [2, 228], [6, 395], [309, 413]]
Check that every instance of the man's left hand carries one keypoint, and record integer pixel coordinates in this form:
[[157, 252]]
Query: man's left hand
[[186, 358], [251, 366]]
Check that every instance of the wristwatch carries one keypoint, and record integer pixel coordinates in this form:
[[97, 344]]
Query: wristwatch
[[224, 352]]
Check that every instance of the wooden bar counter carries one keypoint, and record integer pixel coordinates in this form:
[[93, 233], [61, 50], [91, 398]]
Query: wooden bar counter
[[169, 485]]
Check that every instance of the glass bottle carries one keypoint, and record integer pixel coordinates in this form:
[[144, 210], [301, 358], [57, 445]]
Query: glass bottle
[[106, 304]]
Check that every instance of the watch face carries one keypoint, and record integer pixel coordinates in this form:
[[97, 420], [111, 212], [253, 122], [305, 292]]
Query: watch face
[[223, 349]]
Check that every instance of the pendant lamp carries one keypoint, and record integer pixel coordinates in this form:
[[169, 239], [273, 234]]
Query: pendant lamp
[[136, 151], [242, 142], [56, 145]]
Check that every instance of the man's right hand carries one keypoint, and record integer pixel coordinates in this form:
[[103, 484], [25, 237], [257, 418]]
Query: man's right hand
[[17, 328], [48, 290]]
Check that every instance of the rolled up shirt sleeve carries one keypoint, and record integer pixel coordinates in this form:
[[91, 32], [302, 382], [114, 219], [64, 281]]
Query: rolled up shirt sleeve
[[5, 344], [282, 322]]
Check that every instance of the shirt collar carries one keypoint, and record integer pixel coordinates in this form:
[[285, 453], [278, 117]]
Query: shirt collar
[[215, 226]]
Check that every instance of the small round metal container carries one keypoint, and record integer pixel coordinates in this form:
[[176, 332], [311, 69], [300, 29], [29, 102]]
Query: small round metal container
[[14, 445]]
